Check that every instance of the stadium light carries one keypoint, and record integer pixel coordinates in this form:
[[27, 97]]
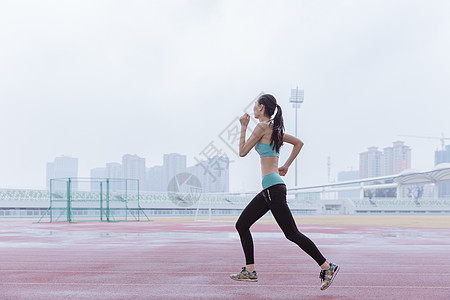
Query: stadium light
[[296, 99]]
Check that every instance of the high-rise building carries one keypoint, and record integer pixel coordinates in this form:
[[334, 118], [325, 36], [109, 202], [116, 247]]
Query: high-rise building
[[173, 164], [62, 167], [392, 160], [97, 173], [219, 181], [213, 174], [443, 156], [133, 167], [155, 179], [363, 164], [374, 162], [402, 157], [370, 163], [113, 172], [387, 161]]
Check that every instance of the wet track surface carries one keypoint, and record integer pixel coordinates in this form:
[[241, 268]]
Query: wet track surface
[[161, 260]]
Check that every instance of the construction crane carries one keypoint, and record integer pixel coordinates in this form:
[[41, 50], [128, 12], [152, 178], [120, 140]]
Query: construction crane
[[442, 138]]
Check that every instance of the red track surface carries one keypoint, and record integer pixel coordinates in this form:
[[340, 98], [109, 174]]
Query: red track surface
[[159, 260]]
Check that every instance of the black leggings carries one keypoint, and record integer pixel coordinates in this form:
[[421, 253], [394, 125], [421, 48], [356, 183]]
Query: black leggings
[[273, 198]]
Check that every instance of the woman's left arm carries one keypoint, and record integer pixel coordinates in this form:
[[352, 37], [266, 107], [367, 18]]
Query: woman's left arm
[[298, 144]]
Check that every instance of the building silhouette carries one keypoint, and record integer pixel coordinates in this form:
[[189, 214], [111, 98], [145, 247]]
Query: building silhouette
[[97, 173], [393, 160], [173, 164], [158, 177], [133, 167], [213, 173], [443, 156], [62, 167], [155, 179]]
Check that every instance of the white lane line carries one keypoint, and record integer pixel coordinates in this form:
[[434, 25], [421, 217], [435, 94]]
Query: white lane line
[[95, 262], [212, 272], [243, 285]]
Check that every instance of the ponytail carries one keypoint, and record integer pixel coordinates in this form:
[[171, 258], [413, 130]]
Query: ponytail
[[270, 104], [278, 130]]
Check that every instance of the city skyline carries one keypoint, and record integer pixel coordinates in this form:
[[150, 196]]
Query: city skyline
[[212, 173], [114, 169], [392, 160]]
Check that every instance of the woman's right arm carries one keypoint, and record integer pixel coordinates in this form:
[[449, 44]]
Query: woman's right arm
[[246, 146], [298, 144]]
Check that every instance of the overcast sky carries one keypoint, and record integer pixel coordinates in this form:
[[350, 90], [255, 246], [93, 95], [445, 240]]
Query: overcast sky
[[99, 79]]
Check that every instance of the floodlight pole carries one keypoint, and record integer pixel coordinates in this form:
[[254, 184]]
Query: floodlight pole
[[296, 99]]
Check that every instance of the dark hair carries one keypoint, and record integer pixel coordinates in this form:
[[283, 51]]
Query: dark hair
[[270, 104]]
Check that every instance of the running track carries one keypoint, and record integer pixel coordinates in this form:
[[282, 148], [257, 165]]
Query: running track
[[162, 260]]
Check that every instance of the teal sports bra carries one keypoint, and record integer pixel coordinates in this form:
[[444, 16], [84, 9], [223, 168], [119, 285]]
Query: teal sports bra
[[265, 150]]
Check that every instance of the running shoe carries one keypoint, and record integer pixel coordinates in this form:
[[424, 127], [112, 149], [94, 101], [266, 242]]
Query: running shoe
[[327, 276], [245, 275]]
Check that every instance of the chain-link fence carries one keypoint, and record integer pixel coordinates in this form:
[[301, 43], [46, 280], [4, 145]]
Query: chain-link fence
[[87, 199]]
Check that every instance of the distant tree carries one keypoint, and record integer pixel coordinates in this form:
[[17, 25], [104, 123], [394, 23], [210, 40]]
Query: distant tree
[[368, 194], [417, 193], [386, 193]]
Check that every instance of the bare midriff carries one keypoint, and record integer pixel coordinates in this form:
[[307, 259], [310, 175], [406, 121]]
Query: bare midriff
[[269, 164]]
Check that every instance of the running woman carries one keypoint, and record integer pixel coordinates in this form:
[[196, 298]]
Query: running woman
[[267, 138]]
